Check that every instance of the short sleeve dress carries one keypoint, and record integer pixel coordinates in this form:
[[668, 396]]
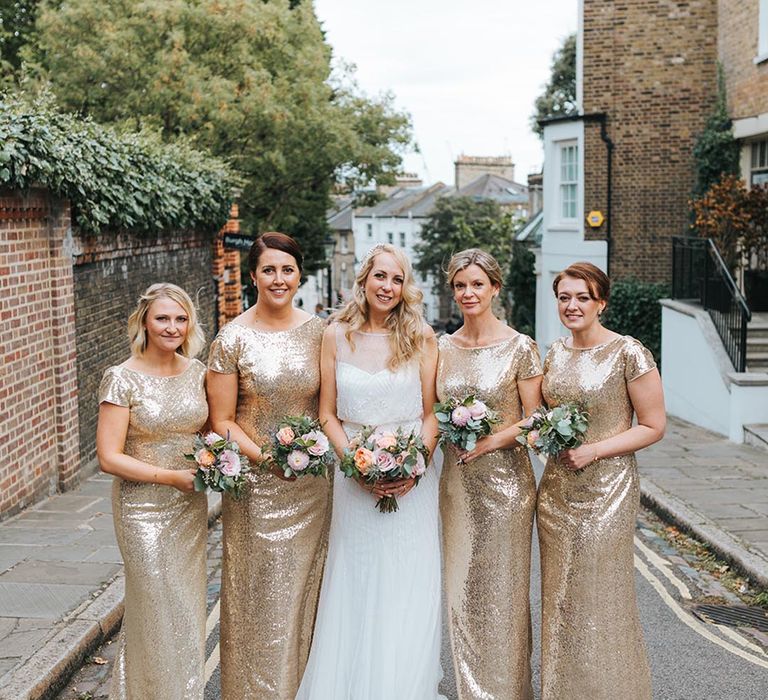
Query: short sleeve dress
[[162, 535], [275, 536], [487, 509], [592, 642]]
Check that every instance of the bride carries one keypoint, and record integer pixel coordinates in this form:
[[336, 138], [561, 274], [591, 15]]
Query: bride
[[377, 635]]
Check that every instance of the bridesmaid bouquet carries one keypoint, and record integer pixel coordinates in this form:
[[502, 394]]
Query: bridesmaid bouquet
[[220, 465], [551, 431], [462, 422], [299, 447], [376, 456]]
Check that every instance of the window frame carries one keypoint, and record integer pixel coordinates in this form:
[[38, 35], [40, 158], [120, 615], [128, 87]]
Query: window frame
[[762, 32], [758, 162], [563, 147]]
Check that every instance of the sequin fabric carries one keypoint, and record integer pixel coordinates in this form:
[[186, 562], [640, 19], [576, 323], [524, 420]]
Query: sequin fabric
[[487, 511], [592, 643], [275, 536], [162, 536]]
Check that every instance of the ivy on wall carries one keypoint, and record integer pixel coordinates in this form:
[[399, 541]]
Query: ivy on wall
[[112, 180]]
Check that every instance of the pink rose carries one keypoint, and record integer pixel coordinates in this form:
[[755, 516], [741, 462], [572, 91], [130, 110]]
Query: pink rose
[[478, 410], [285, 436], [321, 443], [529, 421], [385, 441], [421, 465], [460, 416], [298, 460], [229, 463], [384, 461], [211, 438], [400, 459], [205, 458], [532, 437]]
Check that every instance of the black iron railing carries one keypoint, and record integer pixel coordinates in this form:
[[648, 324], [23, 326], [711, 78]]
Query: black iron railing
[[698, 272]]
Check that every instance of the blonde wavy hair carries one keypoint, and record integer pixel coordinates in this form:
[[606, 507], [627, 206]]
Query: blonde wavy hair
[[405, 321], [475, 256], [137, 332]]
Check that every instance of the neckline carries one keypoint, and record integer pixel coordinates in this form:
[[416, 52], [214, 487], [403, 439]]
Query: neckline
[[161, 376], [384, 333], [482, 347], [284, 330], [592, 347]]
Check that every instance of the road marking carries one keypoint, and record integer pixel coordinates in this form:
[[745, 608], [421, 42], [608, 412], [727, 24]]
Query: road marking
[[212, 620], [664, 566], [686, 618], [211, 663]]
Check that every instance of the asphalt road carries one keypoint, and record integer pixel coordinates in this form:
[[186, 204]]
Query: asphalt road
[[690, 659]]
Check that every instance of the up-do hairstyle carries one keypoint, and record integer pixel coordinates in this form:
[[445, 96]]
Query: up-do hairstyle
[[475, 256], [598, 284], [137, 332], [275, 241]]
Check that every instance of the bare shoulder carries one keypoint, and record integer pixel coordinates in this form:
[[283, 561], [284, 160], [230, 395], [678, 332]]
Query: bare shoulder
[[429, 333]]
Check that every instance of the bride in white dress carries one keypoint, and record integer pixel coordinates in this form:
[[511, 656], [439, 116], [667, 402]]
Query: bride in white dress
[[377, 635]]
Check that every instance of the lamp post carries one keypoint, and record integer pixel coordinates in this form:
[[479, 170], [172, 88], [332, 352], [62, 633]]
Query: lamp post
[[329, 243]]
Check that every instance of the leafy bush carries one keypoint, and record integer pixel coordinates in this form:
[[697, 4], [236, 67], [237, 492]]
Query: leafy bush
[[521, 286], [112, 180], [634, 310]]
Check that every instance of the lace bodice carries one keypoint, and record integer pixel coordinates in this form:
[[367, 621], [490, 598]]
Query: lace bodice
[[367, 391]]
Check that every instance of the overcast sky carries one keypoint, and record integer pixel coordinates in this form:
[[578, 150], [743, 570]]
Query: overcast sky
[[468, 71]]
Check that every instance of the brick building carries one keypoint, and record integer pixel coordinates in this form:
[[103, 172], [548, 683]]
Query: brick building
[[646, 82], [64, 308]]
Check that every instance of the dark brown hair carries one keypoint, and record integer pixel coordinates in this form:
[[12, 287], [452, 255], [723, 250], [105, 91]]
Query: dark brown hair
[[276, 241], [598, 284]]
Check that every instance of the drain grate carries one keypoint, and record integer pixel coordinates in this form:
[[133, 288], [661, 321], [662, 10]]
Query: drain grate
[[732, 615]]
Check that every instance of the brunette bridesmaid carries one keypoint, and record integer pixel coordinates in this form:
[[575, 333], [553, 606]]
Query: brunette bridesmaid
[[150, 407], [592, 642], [488, 495], [263, 366]]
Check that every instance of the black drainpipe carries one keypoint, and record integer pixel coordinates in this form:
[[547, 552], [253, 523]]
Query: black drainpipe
[[602, 119]]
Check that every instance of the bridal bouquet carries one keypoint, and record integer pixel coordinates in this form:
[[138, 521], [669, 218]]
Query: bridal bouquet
[[462, 422], [377, 456], [551, 431], [299, 447], [220, 465]]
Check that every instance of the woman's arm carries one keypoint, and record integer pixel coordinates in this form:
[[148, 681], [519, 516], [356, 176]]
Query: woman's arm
[[222, 411], [530, 397], [111, 433], [429, 431], [647, 398], [331, 424]]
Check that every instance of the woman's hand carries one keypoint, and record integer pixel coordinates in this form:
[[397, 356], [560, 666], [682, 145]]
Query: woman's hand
[[183, 480], [579, 457], [388, 488], [484, 445]]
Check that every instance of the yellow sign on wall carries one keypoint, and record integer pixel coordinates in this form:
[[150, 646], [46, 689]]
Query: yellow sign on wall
[[595, 219]]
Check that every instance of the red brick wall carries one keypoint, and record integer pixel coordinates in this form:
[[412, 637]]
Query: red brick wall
[[746, 83], [651, 66], [38, 387], [226, 270]]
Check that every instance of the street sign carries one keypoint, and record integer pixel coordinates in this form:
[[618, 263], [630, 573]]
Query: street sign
[[237, 241], [595, 219]]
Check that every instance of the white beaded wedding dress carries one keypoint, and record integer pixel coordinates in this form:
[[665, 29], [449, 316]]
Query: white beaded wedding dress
[[377, 635]]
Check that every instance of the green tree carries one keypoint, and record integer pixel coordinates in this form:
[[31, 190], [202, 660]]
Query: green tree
[[17, 23], [716, 152], [559, 96], [521, 288], [246, 79], [463, 222]]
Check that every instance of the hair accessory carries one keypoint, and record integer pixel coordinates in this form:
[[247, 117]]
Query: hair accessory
[[378, 248]]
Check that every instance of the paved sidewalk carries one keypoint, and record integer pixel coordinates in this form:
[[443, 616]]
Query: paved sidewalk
[[715, 489], [61, 587]]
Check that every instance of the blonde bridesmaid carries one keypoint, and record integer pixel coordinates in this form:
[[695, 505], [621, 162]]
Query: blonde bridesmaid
[[592, 642], [265, 365], [488, 495], [150, 407]]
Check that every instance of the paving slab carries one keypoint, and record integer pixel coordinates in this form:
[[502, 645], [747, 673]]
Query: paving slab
[[62, 572], [44, 600]]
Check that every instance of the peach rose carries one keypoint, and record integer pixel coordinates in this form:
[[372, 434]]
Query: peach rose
[[363, 460], [285, 435], [385, 441], [205, 458], [532, 437]]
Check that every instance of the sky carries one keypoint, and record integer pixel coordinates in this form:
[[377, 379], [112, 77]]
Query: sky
[[468, 71]]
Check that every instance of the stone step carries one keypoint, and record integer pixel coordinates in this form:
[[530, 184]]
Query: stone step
[[757, 345], [756, 434]]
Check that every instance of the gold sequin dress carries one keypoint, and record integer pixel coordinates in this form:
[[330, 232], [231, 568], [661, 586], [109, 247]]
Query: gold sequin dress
[[487, 510], [275, 536], [162, 535], [592, 642]]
